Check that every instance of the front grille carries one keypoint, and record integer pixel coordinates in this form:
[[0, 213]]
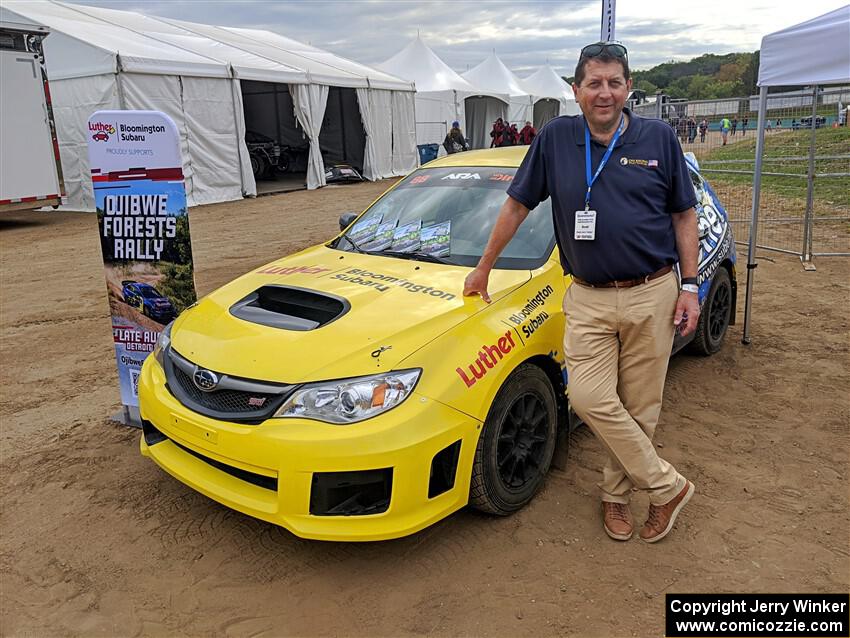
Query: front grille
[[234, 399], [222, 400]]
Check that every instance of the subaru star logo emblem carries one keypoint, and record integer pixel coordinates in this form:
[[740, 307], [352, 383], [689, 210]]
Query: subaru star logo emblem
[[205, 380]]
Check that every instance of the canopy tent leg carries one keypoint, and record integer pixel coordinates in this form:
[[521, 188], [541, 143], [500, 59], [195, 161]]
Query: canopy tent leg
[[751, 251], [806, 252]]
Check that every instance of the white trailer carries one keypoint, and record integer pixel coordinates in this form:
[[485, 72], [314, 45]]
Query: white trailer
[[30, 170]]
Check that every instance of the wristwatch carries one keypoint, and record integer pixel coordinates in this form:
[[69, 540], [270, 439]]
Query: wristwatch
[[690, 288]]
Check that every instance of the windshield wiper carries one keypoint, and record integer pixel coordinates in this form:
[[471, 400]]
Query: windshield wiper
[[419, 256]]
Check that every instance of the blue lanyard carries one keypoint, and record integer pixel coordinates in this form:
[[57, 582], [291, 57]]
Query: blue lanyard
[[605, 157]]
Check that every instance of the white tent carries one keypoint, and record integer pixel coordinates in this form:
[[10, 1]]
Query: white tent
[[551, 95], [815, 52], [105, 59], [493, 75], [441, 94]]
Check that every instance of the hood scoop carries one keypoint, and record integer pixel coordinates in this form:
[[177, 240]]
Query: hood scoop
[[290, 308]]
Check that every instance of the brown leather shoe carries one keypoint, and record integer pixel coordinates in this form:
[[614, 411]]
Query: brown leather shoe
[[661, 517], [617, 520]]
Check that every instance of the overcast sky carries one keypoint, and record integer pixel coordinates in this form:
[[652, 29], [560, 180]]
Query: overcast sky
[[523, 34]]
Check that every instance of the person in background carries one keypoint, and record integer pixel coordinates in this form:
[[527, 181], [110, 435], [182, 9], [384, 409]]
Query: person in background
[[507, 137], [703, 129], [497, 133], [527, 134], [778, 123], [744, 124], [768, 127], [619, 242], [734, 125], [514, 135], [725, 125], [682, 129], [692, 130], [455, 142], [795, 124]]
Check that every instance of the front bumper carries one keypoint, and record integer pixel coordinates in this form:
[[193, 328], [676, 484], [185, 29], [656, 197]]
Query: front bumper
[[272, 471]]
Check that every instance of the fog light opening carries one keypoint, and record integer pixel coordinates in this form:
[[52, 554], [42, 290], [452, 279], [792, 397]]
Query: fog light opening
[[444, 470]]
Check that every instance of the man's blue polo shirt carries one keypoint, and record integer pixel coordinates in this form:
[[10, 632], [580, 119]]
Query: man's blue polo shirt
[[645, 180]]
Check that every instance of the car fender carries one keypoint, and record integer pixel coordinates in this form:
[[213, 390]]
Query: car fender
[[465, 367]]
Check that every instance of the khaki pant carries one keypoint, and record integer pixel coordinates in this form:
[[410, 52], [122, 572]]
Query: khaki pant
[[617, 346]]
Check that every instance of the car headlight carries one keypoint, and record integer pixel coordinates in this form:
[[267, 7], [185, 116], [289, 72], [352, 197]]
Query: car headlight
[[350, 400], [162, 343]]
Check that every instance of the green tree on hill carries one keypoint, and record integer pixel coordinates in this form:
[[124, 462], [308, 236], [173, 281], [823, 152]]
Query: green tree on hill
[[705, 77]]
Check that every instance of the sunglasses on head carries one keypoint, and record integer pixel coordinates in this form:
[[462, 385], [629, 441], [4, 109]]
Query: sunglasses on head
[[614, 49]]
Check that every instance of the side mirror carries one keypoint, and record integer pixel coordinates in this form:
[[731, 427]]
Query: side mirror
[[346, 218]]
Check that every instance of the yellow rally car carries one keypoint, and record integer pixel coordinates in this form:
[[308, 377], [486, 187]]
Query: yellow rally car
[[351, 392]]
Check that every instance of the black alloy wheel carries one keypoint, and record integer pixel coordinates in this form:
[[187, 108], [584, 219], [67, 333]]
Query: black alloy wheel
[[515, 448], [715, 316], [521, 444]]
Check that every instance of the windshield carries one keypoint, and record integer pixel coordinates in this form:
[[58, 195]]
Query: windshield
[[448, 213], [149, 293]]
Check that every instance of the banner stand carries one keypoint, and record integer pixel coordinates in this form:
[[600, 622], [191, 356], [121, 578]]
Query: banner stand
[[128, 415], [143, 226]]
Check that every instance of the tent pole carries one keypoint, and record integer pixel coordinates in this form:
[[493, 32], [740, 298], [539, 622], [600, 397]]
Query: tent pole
[[751, 251], [806, 252], [236, 85], [122, 100]]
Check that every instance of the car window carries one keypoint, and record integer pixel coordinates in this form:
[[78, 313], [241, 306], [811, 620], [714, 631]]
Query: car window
[[462, 204], [150, 293]]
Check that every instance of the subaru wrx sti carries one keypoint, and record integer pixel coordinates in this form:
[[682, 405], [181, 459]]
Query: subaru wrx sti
[[351, 392]]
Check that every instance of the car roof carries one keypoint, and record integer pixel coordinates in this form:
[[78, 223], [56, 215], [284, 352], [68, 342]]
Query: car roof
[[509, 156]]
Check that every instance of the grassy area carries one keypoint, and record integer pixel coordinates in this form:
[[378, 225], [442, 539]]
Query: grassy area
[[781, 149]]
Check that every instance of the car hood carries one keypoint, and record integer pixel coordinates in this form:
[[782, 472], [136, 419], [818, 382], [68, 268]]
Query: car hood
[[395, 306]]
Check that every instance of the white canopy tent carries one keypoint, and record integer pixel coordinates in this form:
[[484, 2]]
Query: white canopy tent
[[796, 56], [441, 94], [551, 95], [105, 59], [493, 75]]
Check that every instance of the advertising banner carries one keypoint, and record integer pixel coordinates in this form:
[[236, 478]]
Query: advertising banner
[[137, 176]]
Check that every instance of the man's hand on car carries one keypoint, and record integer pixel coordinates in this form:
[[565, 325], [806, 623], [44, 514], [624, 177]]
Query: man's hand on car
[[476, 284]]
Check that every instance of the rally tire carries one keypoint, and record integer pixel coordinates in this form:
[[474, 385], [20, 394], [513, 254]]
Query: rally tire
[[516, 445], [259, 166], [284, 163], [715, 316]]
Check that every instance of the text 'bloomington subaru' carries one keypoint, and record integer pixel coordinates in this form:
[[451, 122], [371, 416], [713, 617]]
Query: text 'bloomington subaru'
[[350, 391]]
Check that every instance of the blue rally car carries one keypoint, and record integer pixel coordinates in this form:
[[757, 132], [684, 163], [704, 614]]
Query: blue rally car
[[148, 300]]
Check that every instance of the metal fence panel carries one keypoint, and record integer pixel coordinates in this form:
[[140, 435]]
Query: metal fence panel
[[805, 187]]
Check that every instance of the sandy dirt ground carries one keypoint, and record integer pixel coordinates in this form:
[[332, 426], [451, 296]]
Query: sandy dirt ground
[[97, 541]]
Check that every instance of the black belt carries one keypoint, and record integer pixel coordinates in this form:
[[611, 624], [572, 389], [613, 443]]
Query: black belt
[[625, 283]]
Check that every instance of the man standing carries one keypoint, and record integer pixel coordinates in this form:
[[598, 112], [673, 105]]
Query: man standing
[[622, 203], [725, 125]]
